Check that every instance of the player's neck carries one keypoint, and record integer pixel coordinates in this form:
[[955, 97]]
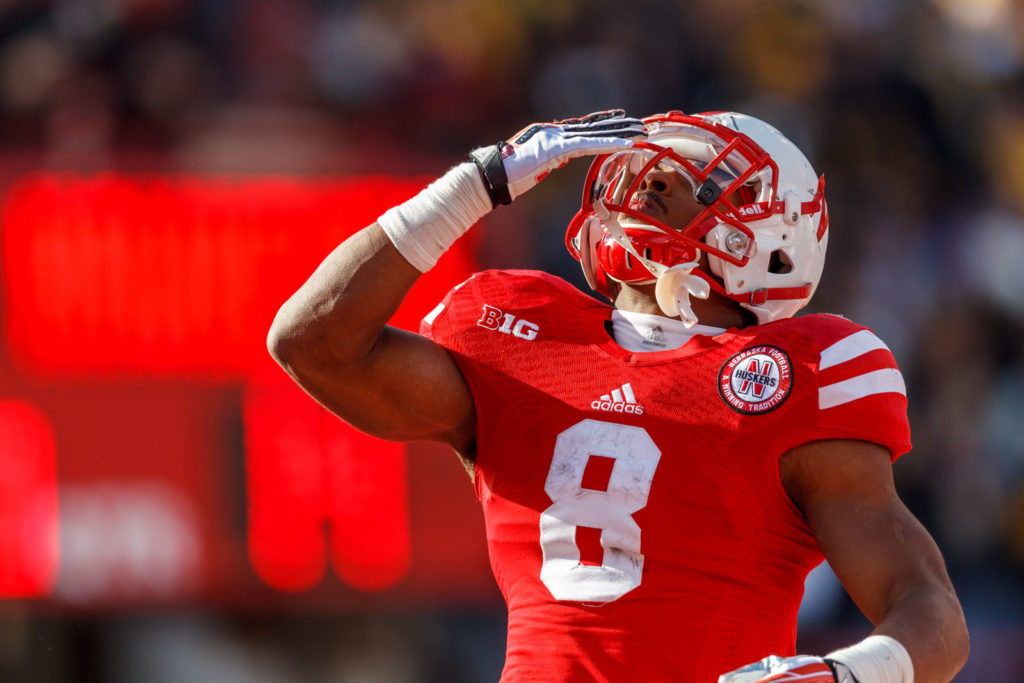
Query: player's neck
[[715, 311]]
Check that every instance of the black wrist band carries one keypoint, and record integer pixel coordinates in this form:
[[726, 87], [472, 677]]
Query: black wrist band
[[488, 160], [841, 672]]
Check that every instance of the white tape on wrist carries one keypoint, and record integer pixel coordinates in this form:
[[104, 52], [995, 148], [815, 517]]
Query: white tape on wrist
[[877, 659], [424, 227]]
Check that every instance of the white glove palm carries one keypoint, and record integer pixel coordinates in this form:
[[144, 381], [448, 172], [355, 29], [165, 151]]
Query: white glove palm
[[803, 668], [511, 168]]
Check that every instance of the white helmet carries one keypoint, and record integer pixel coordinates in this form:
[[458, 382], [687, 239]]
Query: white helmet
[[763, 221]]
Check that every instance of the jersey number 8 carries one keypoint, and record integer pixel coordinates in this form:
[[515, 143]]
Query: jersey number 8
[[583, 498]]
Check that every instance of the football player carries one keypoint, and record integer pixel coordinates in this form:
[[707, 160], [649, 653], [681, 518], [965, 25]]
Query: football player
[[657, 476]]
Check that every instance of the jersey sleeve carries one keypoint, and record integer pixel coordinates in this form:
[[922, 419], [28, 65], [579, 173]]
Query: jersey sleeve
[[438, 324], [860, 391]]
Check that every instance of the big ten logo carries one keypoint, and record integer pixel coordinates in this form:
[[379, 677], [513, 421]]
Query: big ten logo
[[494, 319]]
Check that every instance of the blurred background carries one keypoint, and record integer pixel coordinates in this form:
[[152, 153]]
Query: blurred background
[[171, 509]]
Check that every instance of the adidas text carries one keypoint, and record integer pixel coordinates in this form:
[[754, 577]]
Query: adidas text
[[618, 407]]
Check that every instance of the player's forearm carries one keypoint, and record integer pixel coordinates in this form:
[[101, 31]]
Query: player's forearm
[[332, 323], [930, 624], [906, 591]]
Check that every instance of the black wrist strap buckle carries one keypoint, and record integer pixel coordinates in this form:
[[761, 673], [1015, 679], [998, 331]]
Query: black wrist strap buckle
[[488, 160], [841, 672]]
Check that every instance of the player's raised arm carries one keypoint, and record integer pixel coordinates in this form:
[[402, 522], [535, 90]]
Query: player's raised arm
[[331, 335], [887, 562]]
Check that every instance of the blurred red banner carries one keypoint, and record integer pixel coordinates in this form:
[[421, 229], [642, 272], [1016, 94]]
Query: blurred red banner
[[137, 309], [115, 275]]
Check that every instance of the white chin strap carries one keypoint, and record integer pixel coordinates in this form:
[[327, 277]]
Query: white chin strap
[[674, 285]]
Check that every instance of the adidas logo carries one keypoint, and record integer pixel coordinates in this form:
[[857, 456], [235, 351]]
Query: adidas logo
[[654, 337], [621, 400], [655, 334]]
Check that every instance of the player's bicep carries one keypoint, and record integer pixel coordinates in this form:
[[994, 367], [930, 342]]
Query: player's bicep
[[871, 540], [407, 388], [879, 553]]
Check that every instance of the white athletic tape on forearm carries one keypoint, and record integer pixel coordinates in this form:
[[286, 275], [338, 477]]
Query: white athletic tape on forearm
[[424, 227], [877, 659]]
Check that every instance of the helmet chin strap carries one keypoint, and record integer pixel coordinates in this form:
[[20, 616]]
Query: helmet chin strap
[[673, 285]]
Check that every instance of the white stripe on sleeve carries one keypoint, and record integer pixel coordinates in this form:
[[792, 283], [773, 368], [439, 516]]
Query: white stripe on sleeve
[[848, 348], [884, 381], [429, 318]]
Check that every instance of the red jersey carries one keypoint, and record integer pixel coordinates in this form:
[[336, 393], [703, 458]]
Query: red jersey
[[636, 521]]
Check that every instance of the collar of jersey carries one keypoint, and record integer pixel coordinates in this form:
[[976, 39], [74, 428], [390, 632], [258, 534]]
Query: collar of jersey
[[696, 345], [632, 330]]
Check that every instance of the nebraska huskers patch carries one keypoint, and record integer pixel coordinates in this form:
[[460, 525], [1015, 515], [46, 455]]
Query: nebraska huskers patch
[[756, 380]]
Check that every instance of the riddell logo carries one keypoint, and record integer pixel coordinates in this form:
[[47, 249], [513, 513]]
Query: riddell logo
[[751, 210], [621, 400]]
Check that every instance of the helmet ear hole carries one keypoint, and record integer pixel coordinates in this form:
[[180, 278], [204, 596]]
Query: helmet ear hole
[[779, 263]]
